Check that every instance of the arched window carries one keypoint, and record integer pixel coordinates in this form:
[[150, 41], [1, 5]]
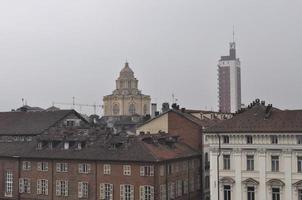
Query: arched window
[[116, 109], [132, 109]]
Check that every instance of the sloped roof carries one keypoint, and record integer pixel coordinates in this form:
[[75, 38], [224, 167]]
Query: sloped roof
[[30, 123], [134, 150], [258, 119], [188, 116]]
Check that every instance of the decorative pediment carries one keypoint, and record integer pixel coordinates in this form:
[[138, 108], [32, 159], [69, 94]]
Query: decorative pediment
[[298, 184], [227, 180], [250, 181], [275, 182]]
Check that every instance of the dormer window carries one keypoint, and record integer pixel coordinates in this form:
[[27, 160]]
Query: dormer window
[[79, 145], [66, 145], [70, 123], [39, 145]]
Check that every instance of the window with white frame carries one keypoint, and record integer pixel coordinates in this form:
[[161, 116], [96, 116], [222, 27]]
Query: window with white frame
[[42, 166], [126, 192], [275, 193], [61, 167], [226, 192], [24, 185], [62, 188], [299, 164], [185, 186], [162, 189], [274, 139], [84, 168], [250, 162], [178, 188], [147, 170], [107, 169], [275, 163], [170, 169], [171, 190], [192, 184], [8, 183], [146, 192], [226, 162], [106, 191], [42, 187], [26, 165], [185, 166], [83, 189], [162, 170], [250, 193], [127, 170]]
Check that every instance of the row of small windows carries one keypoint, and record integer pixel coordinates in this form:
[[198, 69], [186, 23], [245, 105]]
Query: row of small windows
[[145, 170], [250, 163], [249, 139], [62, 189], [251, 193]]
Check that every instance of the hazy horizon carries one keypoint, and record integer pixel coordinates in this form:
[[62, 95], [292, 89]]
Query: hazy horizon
[[54, 50]]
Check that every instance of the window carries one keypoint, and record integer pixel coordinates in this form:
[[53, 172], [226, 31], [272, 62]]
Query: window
[[107, 169], [39, 145], [226, 139], [300, 194], [83, 190], [171, 190], [275, 163], [163, 192], [275, 193], [226, 192], [61, 167], [178, 188], [26, 165], [61, 188], [106, 191], [185, 186], [126, 192], [250, 163], [274, 139], [116, 109], [207, 182], [132, 109], [42, 187], [70, 123], [42, 166], [127, 170], [24, 185], [170, 169], [249, 139], [66, 145], [147, 170], [192, 184], [184, 165], [299, 139], [226, 162], [250, 193], [162, 170], [299, 161], [8, 183], [146, 192], [84, 168]]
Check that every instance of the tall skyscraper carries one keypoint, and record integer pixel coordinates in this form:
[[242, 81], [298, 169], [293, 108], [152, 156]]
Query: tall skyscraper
[[229, 81]]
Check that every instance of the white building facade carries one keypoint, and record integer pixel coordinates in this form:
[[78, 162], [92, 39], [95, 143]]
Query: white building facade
[[255, 164]]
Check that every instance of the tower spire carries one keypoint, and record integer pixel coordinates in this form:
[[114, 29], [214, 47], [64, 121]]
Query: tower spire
[[233, 33]]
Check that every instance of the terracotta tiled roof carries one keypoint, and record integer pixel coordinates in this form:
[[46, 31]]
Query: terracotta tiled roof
[[260, 118]]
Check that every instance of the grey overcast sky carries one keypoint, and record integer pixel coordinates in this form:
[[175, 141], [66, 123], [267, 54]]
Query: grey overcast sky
[[52, 50]]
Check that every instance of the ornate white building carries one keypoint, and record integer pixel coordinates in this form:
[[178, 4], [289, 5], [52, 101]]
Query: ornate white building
[[126, 99], [260, 156]]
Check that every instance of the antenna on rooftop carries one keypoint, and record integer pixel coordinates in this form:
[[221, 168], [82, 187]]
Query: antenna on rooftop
[[233, 33]]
